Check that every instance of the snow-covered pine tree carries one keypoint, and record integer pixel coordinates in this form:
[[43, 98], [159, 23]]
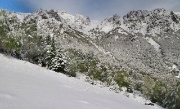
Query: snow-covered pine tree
[[51, 53], [55, 59], [59, 62]]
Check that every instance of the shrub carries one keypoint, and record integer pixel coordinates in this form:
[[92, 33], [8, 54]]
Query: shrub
[[11, 44], [95, 74], [148, 86], [81, 62], [177, 104], [122, 78], [158, 94]]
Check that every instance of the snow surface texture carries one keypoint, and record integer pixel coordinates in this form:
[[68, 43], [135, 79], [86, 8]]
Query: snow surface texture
[[27, 86], [153, 43]]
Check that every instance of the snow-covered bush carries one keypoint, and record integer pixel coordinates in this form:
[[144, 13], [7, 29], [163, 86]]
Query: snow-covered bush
[[8, 44], [122, 78], [162, 92], [85, 63], [88, 64]]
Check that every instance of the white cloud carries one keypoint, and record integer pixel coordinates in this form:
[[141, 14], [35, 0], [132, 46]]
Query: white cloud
[[99, 9], [71, 6], [176, 7]]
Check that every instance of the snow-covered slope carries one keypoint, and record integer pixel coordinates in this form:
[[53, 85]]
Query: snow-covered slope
[[79, 22], [27, 86]]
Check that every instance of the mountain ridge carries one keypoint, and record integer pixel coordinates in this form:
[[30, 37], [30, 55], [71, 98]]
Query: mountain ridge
[[149, 26], [139, 51]]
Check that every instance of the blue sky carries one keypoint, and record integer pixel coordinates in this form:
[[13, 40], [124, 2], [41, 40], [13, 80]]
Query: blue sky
[[95, 9], [16, 5]]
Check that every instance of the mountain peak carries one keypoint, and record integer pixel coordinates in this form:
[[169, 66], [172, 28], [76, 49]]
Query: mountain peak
[[82, 19]]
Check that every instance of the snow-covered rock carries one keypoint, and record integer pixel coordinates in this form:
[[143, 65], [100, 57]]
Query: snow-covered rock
[[151, 22]]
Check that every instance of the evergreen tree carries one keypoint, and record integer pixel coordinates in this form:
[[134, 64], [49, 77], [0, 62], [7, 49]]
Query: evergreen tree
[[58, 63], [55, 59], [51, 53]]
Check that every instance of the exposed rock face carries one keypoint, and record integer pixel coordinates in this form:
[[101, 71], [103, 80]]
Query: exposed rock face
[[82, 20], [151, 22]]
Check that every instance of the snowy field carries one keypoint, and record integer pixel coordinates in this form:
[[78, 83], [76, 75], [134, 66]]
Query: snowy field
[[27, 86]]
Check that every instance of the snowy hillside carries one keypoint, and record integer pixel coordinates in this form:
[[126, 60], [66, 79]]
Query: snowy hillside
[[138, 52], [27, 86]]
